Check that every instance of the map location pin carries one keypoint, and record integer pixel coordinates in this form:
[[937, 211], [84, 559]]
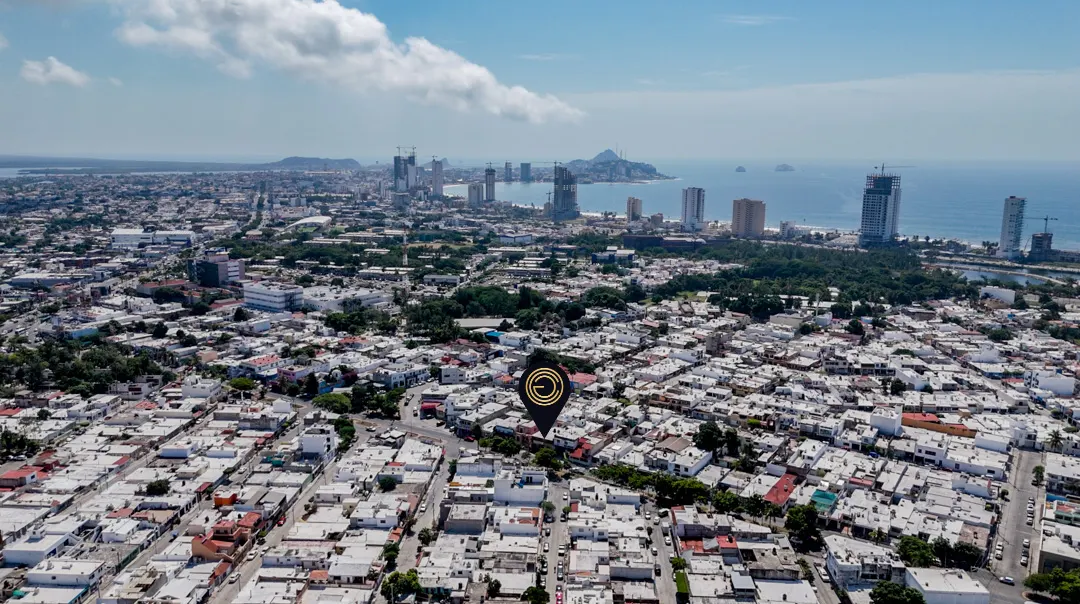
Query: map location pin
[[544, 388]]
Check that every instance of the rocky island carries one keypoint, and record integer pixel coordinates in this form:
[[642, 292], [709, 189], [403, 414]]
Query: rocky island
[[608, 166], [785, 168], [740, 169]]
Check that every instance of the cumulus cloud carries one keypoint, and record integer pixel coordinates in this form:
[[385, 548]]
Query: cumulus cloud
[[322, 40], [52, 71]]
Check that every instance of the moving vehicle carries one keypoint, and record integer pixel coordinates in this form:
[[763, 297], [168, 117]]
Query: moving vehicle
[[1007, 580], [547, 547], [423, 507]]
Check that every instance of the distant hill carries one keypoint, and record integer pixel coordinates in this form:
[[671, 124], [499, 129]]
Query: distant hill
[[312, 163], [606, 155], [607, 166], [81, 165]]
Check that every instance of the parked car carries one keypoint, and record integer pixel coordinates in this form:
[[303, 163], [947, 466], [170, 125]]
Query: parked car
[[547, 547], [1027, 543], [234, 577], [423, 507], [1023, 560]]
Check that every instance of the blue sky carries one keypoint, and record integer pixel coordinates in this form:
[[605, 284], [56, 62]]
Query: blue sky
[[826, 80]]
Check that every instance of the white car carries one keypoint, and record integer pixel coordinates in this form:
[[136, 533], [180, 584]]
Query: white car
[[648, 515], [423, 507], [251, 556], [667, 540], [1007, 580], [234, 577], [1023, 560], [1027, 543], [547, 547]]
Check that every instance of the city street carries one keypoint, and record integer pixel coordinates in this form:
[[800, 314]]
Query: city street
[[665, 582], [1013, 529], [274, 536]]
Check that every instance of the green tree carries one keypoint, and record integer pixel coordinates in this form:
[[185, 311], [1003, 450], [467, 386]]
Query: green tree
[[426, 536], [1039, 473], [855, 327], [157, 488], [547, 458], [387, 483], [390, 553], [708, 437], [242, 384], [942, 550], [493, 588], [915, 552], [311, 385], [678, 563], [731, 442], [726, 502], [399, 585], [43, 414], [965, 555], [477, 431], [160, 331], [802, 523], [999, 335], [887, 592], [547, 507], [333, 402], [536, 595], [897, 387], [1055, 441], [755, 506], [240, 314]]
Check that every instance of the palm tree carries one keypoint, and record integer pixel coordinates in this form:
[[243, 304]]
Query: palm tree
[[1055, 441]]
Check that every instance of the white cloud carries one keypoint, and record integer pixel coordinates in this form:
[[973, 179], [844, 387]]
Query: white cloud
[[752, 20], [3, 42], [52, 71], [116, 82], [324, 41]]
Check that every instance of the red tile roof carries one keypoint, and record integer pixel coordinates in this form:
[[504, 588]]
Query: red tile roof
[[781, 491]]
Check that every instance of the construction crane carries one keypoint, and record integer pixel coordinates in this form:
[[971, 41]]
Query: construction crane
[[1046, 221], [882, 167], [401, 148]]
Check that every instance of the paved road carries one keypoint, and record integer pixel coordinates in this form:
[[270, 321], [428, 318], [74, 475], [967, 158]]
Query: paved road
[[249, 568], [665, 582], [1013, 529]]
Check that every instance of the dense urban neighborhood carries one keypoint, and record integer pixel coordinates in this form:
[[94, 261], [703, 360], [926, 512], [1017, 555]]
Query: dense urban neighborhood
[[301, 386]]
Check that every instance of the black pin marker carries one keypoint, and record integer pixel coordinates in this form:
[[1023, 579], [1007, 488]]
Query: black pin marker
[[544, 388]]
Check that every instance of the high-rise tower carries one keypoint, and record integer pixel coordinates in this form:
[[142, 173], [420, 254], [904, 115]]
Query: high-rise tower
[[1012, 227], [489, 184], [693, 208], [880, 209], [747, 218], [564, 204]]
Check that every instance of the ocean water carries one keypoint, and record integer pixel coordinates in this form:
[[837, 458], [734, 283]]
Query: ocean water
[[961, 201]]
